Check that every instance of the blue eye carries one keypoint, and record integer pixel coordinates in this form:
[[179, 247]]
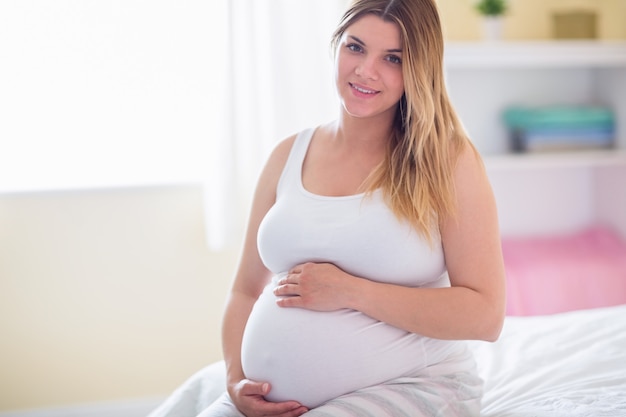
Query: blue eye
[[394, 59], [354, 47]]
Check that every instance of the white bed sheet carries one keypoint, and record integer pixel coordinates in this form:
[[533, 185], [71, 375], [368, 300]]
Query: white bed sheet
[[569, 364], [563, 365]]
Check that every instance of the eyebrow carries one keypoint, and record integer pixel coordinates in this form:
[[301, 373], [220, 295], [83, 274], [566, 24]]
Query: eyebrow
[[359, 41]]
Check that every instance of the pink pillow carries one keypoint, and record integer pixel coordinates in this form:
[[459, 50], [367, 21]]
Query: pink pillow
[[554, 274]]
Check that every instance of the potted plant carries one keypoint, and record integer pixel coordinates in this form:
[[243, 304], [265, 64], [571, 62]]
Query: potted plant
[[491, 7], [492, 12]]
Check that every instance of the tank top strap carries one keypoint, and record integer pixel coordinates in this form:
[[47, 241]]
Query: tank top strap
[[291, 177]]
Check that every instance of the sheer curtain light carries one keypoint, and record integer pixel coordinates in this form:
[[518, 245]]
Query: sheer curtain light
[[119, 93], [108, 93], [280, 82]]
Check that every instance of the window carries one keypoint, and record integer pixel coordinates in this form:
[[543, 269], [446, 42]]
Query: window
[[108, 93]]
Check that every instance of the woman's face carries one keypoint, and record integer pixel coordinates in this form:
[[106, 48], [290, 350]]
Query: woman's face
[[368, 68]]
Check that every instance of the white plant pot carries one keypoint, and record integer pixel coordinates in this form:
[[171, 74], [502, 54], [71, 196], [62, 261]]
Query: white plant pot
[[492, 28]]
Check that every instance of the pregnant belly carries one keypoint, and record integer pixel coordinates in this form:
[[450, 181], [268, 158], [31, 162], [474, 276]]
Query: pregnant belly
[[312, 357]]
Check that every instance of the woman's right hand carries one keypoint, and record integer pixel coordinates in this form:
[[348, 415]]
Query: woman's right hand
[[249, 397]]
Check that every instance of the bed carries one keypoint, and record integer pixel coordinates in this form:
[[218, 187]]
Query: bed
[[570, 364], [562, 350]]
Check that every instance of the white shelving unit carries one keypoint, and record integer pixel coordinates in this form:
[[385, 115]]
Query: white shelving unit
[[485, 77], [542, 54], [551, 160], [547, 193]]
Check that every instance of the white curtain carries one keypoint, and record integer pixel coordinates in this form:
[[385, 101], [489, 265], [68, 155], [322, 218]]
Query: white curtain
[[107, 93], [125, 93], [278, 79]]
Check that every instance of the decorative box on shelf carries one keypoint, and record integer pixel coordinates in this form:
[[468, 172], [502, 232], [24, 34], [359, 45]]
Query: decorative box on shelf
[[560, 128]]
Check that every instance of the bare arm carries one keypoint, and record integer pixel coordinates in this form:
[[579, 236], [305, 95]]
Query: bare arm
[[250, 278], [472, 308]]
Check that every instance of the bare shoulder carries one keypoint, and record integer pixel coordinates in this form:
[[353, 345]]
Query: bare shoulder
[[475, 202], [469, 173], [265, 193], [468, 159], [282, 149], [277, 159]]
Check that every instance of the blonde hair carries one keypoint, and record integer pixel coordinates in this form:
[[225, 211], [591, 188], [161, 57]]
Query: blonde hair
[[416, 176]]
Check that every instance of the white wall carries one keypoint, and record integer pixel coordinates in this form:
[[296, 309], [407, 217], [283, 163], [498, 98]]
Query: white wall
[[610, 197], [106, 295], [543, 201]]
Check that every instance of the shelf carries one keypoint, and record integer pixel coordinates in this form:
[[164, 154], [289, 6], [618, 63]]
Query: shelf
[[551, 160], [536, 54]]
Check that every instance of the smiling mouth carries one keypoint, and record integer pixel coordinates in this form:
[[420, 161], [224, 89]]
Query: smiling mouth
[[362, 90]]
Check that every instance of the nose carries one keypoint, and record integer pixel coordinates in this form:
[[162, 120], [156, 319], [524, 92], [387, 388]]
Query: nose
[[367, 68]]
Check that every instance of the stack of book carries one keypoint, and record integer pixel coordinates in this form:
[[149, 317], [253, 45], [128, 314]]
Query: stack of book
[[560, 128]]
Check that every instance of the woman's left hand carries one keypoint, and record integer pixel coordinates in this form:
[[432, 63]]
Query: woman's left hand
[[314, 286]]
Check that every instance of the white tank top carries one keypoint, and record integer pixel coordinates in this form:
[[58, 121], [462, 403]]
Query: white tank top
[[311, 356]]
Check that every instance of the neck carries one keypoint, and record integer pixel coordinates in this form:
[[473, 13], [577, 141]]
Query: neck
[[373, 133]]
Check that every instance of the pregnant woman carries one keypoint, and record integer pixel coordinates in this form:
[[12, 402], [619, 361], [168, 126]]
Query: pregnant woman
[[372, 249]]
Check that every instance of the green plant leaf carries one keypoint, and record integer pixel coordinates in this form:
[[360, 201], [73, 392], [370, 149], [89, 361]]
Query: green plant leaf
[[491, 7]]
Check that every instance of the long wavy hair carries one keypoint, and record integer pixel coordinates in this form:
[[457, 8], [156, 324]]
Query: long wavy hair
[[416, 176]]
